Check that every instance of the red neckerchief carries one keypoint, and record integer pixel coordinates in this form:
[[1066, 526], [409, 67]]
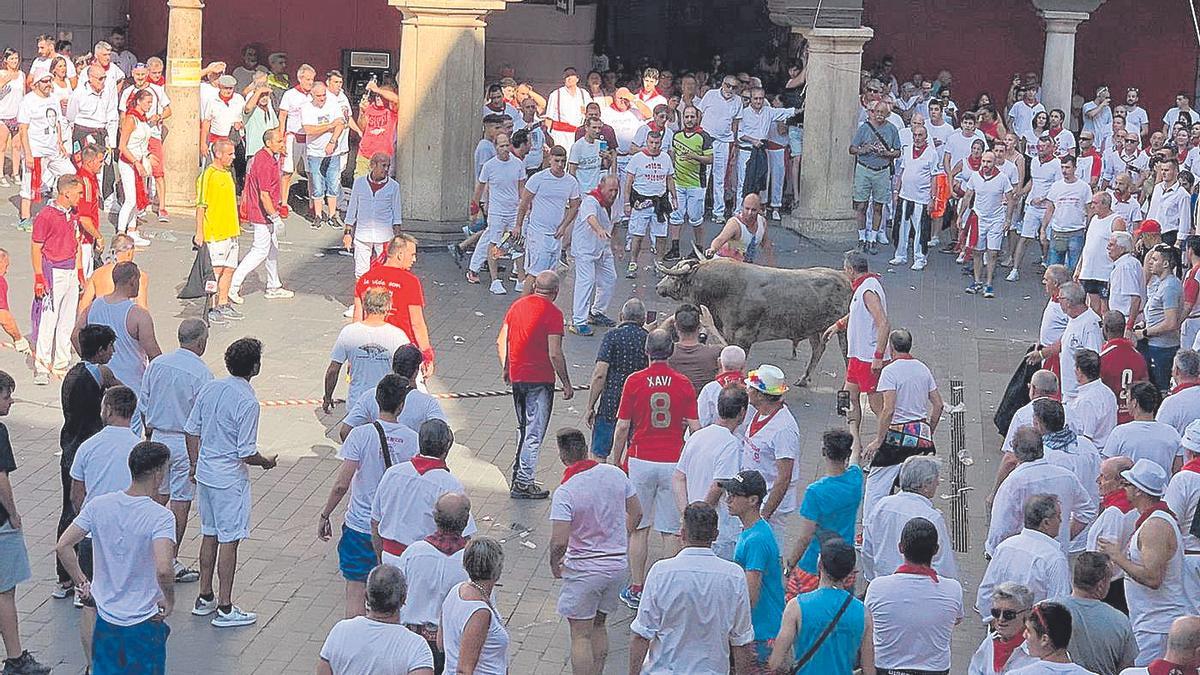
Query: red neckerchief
[[974, 163], [1054, 134], [1047, 158], [1193, 466], [1159, 505], [425, 464], [302, 90], [1118, 499], [137, 114], [653, 126], [600, 197], [613, 105], [489, 107], [1118, 196], [578, 468], [224, 98], [923, 570], [160, 80], [1186, 385], [447, 542], [1182, 155], [987, 177], [691, 130], [919, 150], [859, 281], [758, 421], [1092, 152], [642, 94], [646, 151], [1165, 667], [727, 378], [1003, 649], [376, 187]]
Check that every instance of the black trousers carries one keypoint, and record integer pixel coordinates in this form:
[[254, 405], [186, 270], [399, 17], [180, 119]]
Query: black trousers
[[67, 515]]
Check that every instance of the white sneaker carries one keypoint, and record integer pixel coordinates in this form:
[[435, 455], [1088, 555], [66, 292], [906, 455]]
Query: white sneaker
[[497, 288], [280, 293], [519, 287], [41, 379], [881, 238], [138, 239], [235, 617], [204, 607], [918, 265], [1013, 275], [962, 258], [775, 214], [933, 243], [349, 313], [894, 261], [234, 297]]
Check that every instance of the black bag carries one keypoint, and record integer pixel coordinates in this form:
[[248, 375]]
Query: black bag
[[1016, 394], [383, 446], [198, 278]]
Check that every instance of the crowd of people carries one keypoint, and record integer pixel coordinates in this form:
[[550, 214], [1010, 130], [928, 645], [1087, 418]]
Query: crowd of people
[[1093, 561]]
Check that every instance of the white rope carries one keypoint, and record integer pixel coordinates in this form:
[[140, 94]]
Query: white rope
[[1195, 22]]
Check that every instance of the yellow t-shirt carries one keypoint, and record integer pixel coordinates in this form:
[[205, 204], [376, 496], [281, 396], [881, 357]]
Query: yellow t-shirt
[[215, 190]]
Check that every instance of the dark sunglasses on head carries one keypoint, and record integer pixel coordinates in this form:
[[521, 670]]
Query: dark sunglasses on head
[[1005, 614]]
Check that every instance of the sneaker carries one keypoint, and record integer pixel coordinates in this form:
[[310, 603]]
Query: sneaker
[[215, 318], [204, 607], [653, 246], [497, 287], [4, 182], [631, 271], [280, 293], [317, 222], [138, 239], [1013, 275], [934, 243], [163, 216], [77, 601], [775, 215], [962, 258], [1005, 262], [519, 287], [472, 277], [881, 238], [630, 597], [973, 288], [988, 292], [456, 254], [41, 380], [230, 313], [948, 248], [335, 221], [233, 618], [60, 591], [527, 491], [918, 265], [581, 329], [672, 255], [894, 261], [597, 319], [184, 574], [24, 664], [25, 225], [349, 313], [234, 297]]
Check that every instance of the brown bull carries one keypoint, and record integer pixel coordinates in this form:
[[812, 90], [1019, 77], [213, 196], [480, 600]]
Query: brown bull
[[751, 303]]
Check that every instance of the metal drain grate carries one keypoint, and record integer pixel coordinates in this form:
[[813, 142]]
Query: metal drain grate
[[959, 533]]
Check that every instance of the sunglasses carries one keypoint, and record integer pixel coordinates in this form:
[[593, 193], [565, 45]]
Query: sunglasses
[[1006, 614]]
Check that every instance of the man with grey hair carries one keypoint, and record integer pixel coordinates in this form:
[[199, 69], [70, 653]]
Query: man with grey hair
[[377, 642], [997, 653], [291, 106], [1116, 522], [1127, 280], [261, 208], [731, 365], [368, 346], [1032, 558], [866, 326], [883, 525], [874, 146], [1101, 636], [1033, 476], [1043, 384], [1054, 319], [622, 352], [595, 271], [1082, 331], [1182, 407], [170, 386], [1095, 263]]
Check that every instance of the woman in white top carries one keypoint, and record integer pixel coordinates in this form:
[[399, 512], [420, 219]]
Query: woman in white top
[[12, 90], [1047, 634], [470, 630], [60, 90], [135, 162]]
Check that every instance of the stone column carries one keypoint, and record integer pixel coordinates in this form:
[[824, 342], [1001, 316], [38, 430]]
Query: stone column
[[441, 91], [1058, 66], [181, 147], [830, 113]]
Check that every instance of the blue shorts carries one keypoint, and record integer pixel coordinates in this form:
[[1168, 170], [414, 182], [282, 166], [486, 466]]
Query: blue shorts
[[324, 176], [602, 436], [356, 556], [140, 649], [796, 140]]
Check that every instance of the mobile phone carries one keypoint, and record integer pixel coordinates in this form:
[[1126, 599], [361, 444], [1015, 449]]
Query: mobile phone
[[843, 402], [651, 316]]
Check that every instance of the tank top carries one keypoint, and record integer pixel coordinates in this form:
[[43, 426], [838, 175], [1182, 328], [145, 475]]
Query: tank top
[[129, 360], [1153, 610], [837, 653], [745, 248], [860, 333], [493, 658], [10, 97], [139, 139], [1095, 263]]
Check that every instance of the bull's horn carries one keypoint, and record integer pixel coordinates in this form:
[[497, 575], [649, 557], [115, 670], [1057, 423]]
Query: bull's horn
[[670, 271], [699, 254]]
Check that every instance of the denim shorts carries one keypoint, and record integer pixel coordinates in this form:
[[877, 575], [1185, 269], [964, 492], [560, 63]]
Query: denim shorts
[[796, 140], [356, 556], [140, 649], [324, 176], [602, 436]]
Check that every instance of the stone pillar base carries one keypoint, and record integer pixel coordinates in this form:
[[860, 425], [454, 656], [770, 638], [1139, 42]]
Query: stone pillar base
[[823, 227], [434, 233]]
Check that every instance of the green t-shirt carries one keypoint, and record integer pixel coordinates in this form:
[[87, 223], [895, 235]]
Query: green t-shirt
[[690, 173]]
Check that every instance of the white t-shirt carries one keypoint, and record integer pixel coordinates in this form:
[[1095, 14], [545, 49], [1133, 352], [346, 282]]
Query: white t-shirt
[[913, 639], [124, 528], [503, 178], [593, 502], [1070, 200], [710, 454], [1043, 176], [916, 174], [1136, 119], [102, 461], [343, 103], [989, 196], [42, 114], [362, 645], [717, 114], [1096, 264], [641, 136], [1022, 114], [624, 123], [404, 502], [368, 350], [958, 147], [650, 173], [222, 115], [1051, 668], [292, 102], [1125, 282], [311, 114], [583, 239], [1138, 439], [912, 382], [10, 96], [42, 64], [550, 196], [418, 407], [586, 158], [362, 446], [769, 439], [939, 133], [1082, 332]]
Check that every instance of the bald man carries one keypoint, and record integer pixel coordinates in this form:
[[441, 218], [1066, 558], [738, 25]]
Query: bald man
[[595, 270], [1116, 521], [744, 235], [1183, 650]]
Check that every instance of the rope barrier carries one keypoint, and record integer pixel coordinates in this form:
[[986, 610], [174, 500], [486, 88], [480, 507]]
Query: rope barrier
[[446, 396]]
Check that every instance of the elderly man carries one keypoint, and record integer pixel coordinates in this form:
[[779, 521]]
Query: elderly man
[[695, 609], [1183, 650], [720, 110], [912, 408], [377, 642], [1096, 263], [1032, 558], [1183, 498], [262, 209], [595, 271], [434, 565], [1003, 649], [1094, 408], [592, 513], [418, 405], [622, 352], [755, 125], [367, 346], [874, 146], [1034, 475], [1121, 364], [530, 350], [1143, 436], [373, 215], [1043, 384], [918, 171], [1153, 562], [1101, 636], [1054, 319], [731, 364], [1082, 331], [867, 328], [883, 525], [905, 640], [1182, 407], [1127, 280], [1116, 522], [712, 453]]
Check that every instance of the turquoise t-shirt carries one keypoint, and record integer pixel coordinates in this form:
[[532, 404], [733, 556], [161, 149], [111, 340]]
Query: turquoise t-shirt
[[832, 503], [837, 653], [757, 551]]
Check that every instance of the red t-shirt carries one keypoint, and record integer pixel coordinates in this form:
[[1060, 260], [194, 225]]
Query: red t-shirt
[[656, 401], [3, 293], [89, 203], [262, 176], [1191, 289], [55, 231], [531, 321], [406, 292], [379, 134], [1121, 364]]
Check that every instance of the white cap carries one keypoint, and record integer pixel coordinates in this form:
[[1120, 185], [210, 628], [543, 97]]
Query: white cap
[[1191, 437], [1147, 476]]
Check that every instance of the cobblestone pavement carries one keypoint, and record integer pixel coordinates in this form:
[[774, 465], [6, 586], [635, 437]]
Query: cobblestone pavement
[[291, 579]]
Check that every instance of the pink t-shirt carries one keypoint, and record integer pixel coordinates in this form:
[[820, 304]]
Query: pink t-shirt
[[593, 501]]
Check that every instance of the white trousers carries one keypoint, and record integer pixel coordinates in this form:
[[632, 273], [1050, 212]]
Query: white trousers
[[88, 255], [743, 158], [127, 218], [595, 275], [58, 319], [364, 253], [910, 229], [778, 170], [879, 485], [264, 249], [719, 166]]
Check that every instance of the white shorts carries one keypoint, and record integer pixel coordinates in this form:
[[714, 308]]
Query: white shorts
[[541, 253], [52, 169], [652, 480], [991, 236], [691, 206], [1031, 224], [224, 512], [176, 482], [643, 220], [224, 253], [584, 594], [293, 155]]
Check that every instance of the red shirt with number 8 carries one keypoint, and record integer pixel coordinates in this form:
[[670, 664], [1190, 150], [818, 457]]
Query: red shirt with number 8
[[656, 401]]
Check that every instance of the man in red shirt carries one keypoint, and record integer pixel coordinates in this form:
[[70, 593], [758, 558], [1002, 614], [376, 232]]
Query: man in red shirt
[[657, 404], [1191, 293], [377, 119], [408, 297], [91, 159], [55, 258], [1121, 364], [530, 351], [262, 199]]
